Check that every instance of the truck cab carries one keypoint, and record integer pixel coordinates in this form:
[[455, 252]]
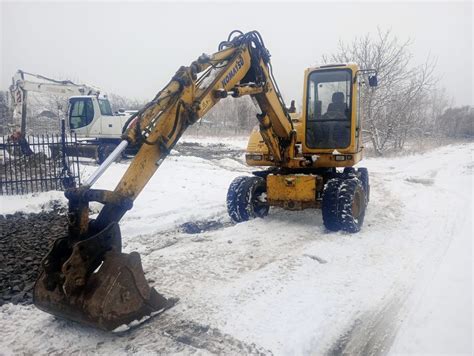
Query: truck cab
[[92, 116]]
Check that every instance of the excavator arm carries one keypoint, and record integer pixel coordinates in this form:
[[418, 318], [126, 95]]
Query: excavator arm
[[85, 276], [241, 68]]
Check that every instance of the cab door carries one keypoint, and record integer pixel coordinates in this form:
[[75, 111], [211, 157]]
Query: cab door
[[329, 108], [81, 115], [109, 123]]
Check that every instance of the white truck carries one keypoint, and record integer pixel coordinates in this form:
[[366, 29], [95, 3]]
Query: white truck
[[90, 115]]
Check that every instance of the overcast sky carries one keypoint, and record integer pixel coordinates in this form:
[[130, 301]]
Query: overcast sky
[[133, 49]]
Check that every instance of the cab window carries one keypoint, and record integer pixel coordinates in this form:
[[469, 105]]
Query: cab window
[[81, 112], [328, 119], [105, 108]]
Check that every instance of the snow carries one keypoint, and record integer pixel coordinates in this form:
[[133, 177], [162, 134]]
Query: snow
[[401, 285], [186, 189], [233, 141], [440, 319], [124, 327], [29, 203]]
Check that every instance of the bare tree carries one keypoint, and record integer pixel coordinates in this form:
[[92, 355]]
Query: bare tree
[[398, 108], [118, 102], [5, 112], [457, 122], [439, 102], [44, 112], [229, 116]]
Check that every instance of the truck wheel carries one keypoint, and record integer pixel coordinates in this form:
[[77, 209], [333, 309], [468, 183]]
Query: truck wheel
[[349, 172], [246, 199], [104, 151], [232, 204], [330, 202], [364, 178], [352, 204], [343, 205]]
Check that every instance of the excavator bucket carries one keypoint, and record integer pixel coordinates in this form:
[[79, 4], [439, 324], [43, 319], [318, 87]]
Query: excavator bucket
[[106, 291]]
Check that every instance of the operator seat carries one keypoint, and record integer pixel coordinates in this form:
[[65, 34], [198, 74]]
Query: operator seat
[[338, 103], [337, 129]]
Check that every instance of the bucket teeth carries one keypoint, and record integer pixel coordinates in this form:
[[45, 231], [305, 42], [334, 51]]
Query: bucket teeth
[[116, 293]]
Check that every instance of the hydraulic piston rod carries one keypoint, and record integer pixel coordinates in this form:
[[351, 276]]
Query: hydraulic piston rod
[[108, 161]]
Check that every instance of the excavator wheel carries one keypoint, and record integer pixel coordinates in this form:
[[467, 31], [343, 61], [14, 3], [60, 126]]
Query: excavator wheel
[[352, 204], [344, 204], [329, 205], [364, 178], [349, 172], [246, 199]]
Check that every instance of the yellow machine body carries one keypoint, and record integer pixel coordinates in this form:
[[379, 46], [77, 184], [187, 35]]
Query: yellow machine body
[[257, 153], [299, 191], [293, 191]]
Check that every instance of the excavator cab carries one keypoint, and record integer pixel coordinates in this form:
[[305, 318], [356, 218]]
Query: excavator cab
[[330, 122], [328, 109], [331, 115], [87, 111], [81, 112]]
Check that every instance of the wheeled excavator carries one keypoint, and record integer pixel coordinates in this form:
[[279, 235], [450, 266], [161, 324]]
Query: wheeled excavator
[[89, 116], [309, 158]]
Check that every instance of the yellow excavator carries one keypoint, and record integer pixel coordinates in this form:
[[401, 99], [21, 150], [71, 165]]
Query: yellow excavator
[[87, 278]]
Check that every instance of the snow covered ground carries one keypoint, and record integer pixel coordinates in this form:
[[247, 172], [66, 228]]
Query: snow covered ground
[[283, 284]]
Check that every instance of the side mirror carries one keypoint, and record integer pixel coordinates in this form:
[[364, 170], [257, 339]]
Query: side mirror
[[373, 82]]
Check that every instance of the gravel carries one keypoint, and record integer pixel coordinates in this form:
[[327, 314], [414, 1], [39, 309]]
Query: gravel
[[24, 241], [209, 151]]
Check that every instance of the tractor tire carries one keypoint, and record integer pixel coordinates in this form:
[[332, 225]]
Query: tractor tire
[[104, 151], [343, 205], [232, 202], [352, 204], [364, 178], [330, 202], [349, 172], [244, 199]]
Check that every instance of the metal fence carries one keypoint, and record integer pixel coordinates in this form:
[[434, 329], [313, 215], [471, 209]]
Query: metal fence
[[37, 164]]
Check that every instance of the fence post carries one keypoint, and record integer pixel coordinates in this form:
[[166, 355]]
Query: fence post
[[63, 142]]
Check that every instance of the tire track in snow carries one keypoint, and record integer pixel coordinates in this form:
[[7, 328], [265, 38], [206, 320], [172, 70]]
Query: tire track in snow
[[373, 332], [166, 334], [185, 334], [204, 337]]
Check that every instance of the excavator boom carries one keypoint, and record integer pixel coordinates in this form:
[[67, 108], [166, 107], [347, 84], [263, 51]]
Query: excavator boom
[[86, 277]]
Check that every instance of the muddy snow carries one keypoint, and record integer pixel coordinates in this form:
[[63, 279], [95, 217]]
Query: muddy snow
[[282, 284]]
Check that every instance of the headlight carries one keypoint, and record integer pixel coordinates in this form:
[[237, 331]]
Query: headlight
[[342, 157], [254, 157]]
